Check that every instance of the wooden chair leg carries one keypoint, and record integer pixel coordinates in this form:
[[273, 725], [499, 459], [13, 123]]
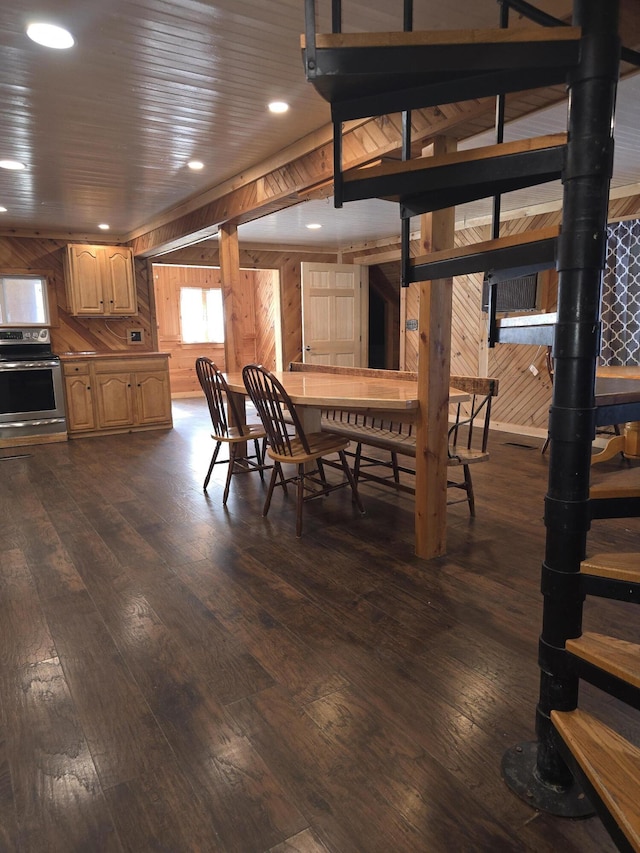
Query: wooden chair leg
[[352, 481], [321, 472], [299, 500], [272, 482], [233, 449], [213, 462], [259, 458], [356, 463], [394, 465], [283, 479], [469, 488]]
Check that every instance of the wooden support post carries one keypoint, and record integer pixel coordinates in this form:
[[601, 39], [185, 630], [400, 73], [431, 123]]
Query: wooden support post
[[231, 284], [230, 276], [434, 361]]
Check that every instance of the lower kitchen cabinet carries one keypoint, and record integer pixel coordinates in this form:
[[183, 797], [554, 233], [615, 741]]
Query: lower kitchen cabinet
[[80, 411], [117, 394]]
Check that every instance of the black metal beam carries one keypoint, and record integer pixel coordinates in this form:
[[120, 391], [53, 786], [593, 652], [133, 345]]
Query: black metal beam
[[495, 276], [610, 588], [443, 59], [510, 260], [603, 680], [363, 97], [437, 187], [614, 508]]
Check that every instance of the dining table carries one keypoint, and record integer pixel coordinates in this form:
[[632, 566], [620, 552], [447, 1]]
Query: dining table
[[617, 401], [313, 392]]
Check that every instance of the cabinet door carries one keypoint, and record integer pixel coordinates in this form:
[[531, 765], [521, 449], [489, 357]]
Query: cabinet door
[[80, 414], [114, 398], [118, 280], [153, 398], [84, 280]]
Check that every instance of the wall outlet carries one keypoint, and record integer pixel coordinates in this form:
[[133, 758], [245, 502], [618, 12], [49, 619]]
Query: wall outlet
[[135, 336], [534, 369]]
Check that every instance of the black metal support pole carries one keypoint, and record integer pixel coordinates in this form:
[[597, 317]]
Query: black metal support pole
[[536, 771], [492, 306]]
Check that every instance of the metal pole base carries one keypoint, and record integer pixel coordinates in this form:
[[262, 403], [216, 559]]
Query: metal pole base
[[520, 772]]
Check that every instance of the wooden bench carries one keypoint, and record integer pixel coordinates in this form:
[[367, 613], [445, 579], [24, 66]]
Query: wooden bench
[[396, 435]]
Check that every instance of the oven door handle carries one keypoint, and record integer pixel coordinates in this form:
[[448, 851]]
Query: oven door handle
[[27, 365]]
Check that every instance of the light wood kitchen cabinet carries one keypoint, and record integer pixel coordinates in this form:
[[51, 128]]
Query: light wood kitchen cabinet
[[114, 400], [100, 280], [79, 394], [117, 394]]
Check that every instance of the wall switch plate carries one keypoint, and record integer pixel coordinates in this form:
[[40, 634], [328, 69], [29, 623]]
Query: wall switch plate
[[534, 369], [135, 336]]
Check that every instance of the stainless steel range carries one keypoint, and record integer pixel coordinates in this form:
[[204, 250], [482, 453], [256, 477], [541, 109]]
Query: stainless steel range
[[31, 392]]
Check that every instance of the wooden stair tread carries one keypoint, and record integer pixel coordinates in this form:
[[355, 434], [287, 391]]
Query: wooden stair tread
[[499, 259], [618, 566], [472, 155], [425, 38], [610, 763], [432, 183], [617, 657], [489, 245]]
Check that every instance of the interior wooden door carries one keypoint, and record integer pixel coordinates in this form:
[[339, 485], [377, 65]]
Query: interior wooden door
[[334, 314]]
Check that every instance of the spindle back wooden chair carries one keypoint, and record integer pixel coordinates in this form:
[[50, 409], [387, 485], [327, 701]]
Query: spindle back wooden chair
[[222, 410], [278, 415]]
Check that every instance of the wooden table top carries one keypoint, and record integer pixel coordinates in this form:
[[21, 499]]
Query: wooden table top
[[615, 388], [332, 390]]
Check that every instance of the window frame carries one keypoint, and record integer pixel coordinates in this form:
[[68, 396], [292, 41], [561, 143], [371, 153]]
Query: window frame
[[48, 292]]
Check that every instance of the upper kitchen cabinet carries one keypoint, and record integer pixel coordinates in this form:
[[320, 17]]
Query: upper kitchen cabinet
[[100, 280]]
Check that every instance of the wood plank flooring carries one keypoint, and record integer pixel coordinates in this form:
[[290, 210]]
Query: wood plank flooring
[[177, 676]]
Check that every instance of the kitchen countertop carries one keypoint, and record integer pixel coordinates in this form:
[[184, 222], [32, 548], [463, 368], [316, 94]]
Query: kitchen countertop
[[84, 356]]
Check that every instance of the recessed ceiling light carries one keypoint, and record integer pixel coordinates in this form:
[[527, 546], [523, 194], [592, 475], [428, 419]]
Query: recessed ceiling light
[[313, 226], [49, 35], [3, 209], [196, 165], [15, 165], [278, 107], [103, 226]]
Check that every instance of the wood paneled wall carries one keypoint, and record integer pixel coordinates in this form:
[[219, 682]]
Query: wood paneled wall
[[167, 283], [78, 334], [287, 265], [268, 325]]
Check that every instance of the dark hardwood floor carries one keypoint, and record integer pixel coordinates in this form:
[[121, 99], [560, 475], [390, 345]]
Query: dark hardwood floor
[[177, 676]]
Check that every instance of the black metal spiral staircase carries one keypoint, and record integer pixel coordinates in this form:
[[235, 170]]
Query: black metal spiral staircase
[[367, 74]]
